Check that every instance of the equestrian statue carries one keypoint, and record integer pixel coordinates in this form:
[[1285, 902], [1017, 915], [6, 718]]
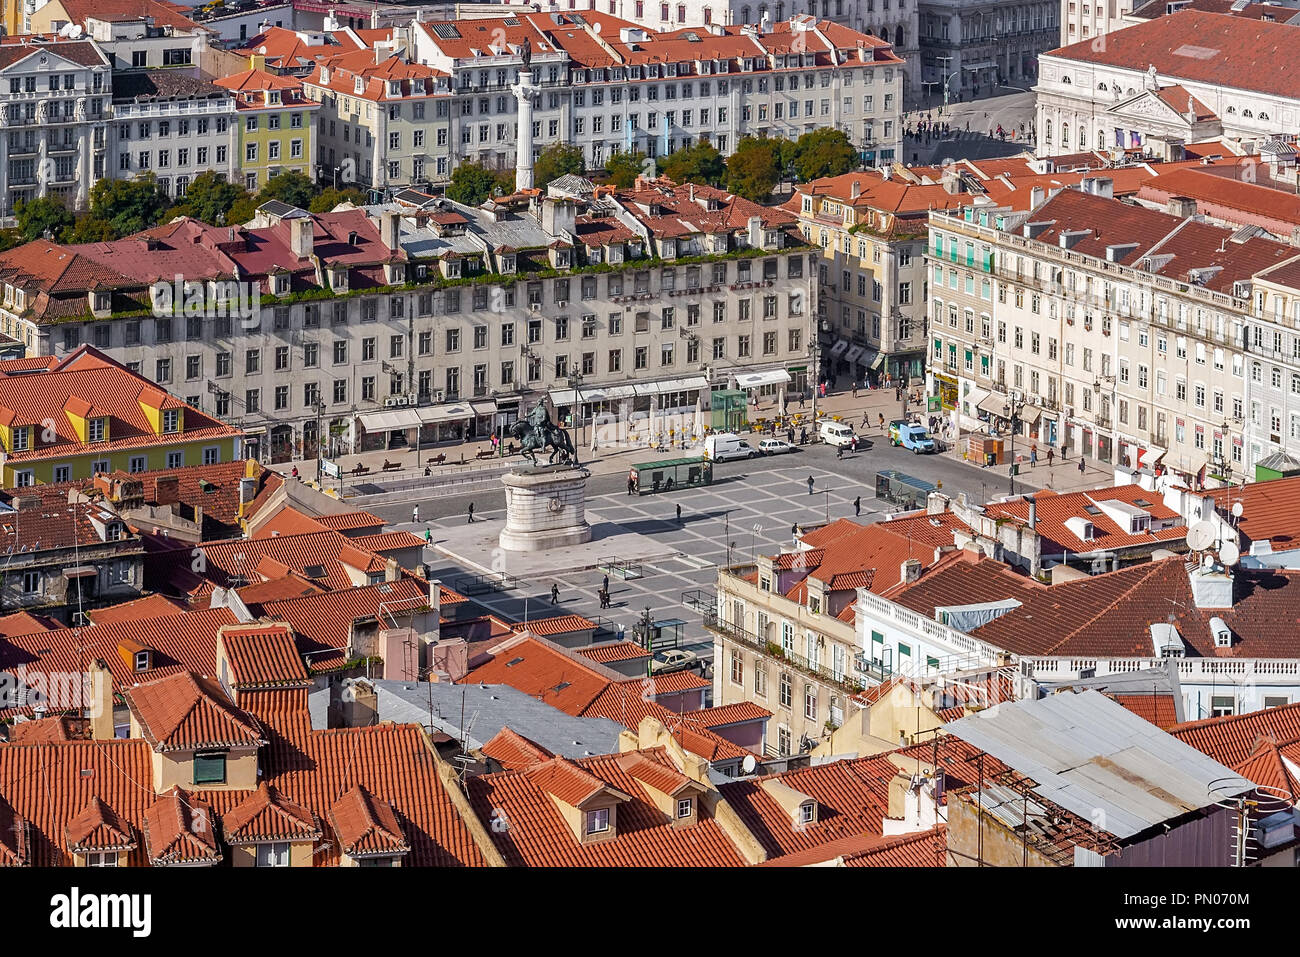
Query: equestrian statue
[[537, 431]]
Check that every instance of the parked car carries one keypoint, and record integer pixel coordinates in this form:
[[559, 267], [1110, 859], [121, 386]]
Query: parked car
[[774, 447], [911, 435], [675, 659], [835, 433], [728, 445]]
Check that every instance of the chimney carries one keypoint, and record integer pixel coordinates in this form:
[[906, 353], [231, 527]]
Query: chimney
[[167, 490], [302, 236], [1036, 196], [101, 704], [1211, 588], [392, 571], [855, 189], [435, 596], [247, 490], [1101, 186], [1183, 207], [910, 571], [756, 232], [1033, 511], [390, 231]]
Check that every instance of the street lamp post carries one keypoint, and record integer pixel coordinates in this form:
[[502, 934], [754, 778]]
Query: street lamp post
[[575, 383], [1011, 412]]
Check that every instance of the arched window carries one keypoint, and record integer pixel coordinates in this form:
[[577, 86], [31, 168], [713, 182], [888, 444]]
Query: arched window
[[1263, 117], [762, 11], [744, 14], [1102, 86], [708, 14], [1065, 135], [1066, 80], [1047, 132], [681, 13], [1232, 111], [1247, 114], [1101, 139]]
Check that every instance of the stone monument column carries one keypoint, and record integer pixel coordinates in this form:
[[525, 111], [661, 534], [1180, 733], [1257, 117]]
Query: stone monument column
[[523, 91]]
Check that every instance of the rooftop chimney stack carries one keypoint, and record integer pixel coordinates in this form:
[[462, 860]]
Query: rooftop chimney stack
[[302, 237]]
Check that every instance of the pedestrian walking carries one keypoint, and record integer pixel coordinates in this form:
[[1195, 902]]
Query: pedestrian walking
[[853, 444], [605, 583], [857, 506], [415, 515], [427, 536], [471, 512], [810, 485], [1033, 456], [1051, 454], [631, 482], [881, 417], [1080, 464], [855, 388], [679, 513], [555, 594], [866, 419]]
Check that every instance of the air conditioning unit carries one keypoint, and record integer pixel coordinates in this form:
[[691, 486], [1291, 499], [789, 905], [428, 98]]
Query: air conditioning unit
[[535, 306], [442, 394], [561, 303], [1069, 411], [394, 400]]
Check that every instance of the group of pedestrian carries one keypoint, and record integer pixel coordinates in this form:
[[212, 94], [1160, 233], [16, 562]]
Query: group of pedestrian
[[926, 129]]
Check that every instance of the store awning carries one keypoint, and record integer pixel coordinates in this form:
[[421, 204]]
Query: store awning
[[975, 396], [484, 406], [80, 571], [1190, 464], [389, 419], [876, 362], [995, 403], [1150, 457], [1030, 414], [677, 385], [752, 380], [593, 394], [446, 413]]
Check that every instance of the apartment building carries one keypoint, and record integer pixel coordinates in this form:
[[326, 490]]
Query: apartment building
[[975, 48], [608, 85], [275, 126], [173, 125], [1139, 87], [56, 117], [1112, 331], [1080, 20], [1272, 346], [138, 34], [572, 290]]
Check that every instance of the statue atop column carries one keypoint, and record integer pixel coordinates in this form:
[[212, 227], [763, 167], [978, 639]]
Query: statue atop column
[[524, 91]]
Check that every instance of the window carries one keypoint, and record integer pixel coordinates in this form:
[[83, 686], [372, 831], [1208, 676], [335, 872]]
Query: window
[[210, 768], [95, 430], [810, 702], [101, 859], [31, 582], [685, 807], [1222, 705], [171, 420], [807, 812], [737, 668], [786, 690], [273, 855], [598, 821], [176, 460]]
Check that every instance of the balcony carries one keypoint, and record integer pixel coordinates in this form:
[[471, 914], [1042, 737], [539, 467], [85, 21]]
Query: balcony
[[774, 651]]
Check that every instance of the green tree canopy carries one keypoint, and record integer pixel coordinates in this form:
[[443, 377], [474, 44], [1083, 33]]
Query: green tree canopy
[[558, 159], [699, 163], [755, 167], [624, 168], [824, 152], [289, 186], [120, 207], [46, 213], [330, 197], [472, 183], [210, 198]]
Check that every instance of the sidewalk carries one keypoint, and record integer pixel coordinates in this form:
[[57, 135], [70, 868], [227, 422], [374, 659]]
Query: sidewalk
[[462, 464]]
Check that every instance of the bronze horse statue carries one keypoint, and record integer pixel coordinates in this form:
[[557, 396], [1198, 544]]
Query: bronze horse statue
[[537, 432]]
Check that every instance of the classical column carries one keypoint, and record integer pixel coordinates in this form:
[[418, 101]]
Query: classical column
[[43, 172], [524, 91]]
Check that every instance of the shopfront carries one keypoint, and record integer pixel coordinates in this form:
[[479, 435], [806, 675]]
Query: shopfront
[[945, 387], [387, 429], [769, 384]]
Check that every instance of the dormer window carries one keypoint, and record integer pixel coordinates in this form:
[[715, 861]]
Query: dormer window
[[142, 660], [359, 85], [97, 429], [171, 420], [808, 812], [113, 533], [814, 604], [685, 808], [395, 88], [281, 284], [103, 301], [598, 821], [22, 438], [273, 96]]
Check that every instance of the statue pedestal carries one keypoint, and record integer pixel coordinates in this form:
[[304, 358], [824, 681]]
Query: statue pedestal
[[545, 508]]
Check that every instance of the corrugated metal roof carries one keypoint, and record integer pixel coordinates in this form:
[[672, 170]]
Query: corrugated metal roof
[[1097, 760]]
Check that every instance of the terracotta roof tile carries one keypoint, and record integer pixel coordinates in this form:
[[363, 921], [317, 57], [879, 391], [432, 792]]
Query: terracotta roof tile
[[538, 836], [922, 849], [266, 815], [606, 652], [1160, 710], [1235, 738], [180, 828], [557, 625], [723, 715], [98, 828], [348, 521], [365, 825], [674, 683], [513, 751], [141, 609], [263, 656], [183, 712]]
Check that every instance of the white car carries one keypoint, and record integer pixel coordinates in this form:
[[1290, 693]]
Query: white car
[[774, 447], [675, 659]]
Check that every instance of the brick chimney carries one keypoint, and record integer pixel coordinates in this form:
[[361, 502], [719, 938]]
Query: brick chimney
[[167, 490], [101, 701], [302, 240]]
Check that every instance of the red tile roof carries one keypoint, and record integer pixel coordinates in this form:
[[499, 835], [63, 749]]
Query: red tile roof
[[240, 558], [263, 656], [347, 521], [606, 652], [1268, 769], [536, 834], [98, 828], [266, 815], [141, 609], [560, 624], [1226, 52], [1054, 509], [1160, 709], [1233, 739], [387, 541], [922, 849], [48, 730], [513, 751], [183, 712], [1270, 511], [180, 828], [727, 714], [365, 825], [674, 683]]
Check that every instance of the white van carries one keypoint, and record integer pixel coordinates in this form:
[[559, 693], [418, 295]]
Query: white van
[[835, 433], [726, 446]]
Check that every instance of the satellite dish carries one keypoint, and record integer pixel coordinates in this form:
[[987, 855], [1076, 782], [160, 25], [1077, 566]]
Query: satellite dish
[[1200, 536], [1237, 510], [1229, 554], [748, 764]]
